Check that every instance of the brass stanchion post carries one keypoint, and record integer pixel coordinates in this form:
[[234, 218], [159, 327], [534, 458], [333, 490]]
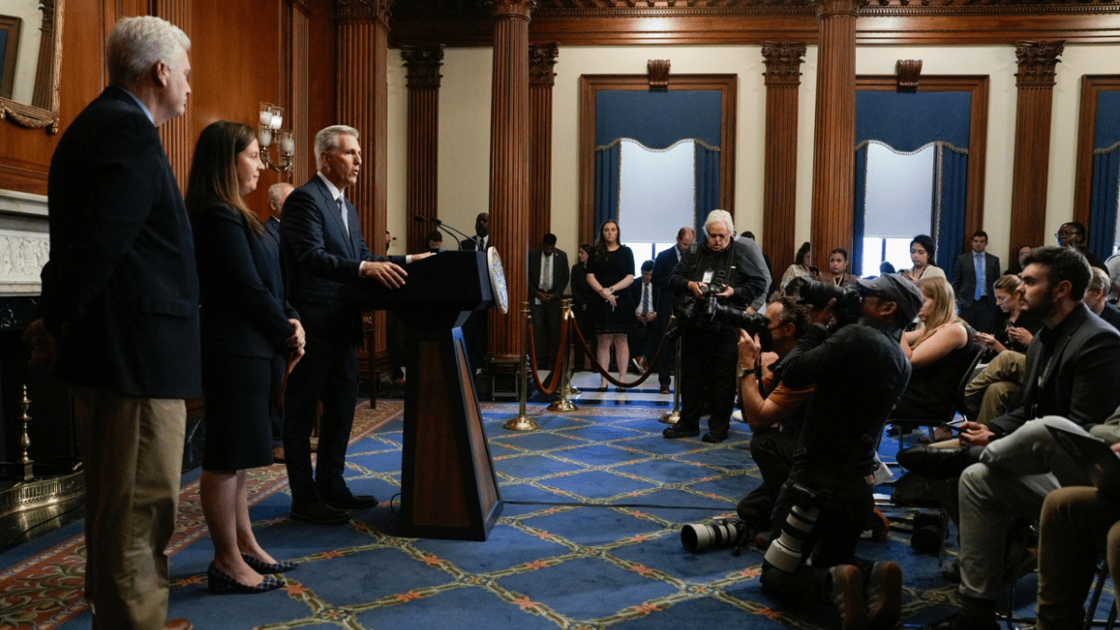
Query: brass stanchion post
[[674, 416], [523, 422], [25, 441], [563, 404]]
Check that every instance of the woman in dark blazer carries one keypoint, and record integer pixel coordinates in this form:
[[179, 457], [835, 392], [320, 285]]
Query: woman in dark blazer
[[248, 335]]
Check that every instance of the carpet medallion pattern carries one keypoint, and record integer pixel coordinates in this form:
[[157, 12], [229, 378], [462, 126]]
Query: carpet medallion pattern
[[589, 538]]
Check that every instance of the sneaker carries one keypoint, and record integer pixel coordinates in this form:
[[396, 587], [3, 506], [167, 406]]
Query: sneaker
[[847, 595], [884, 595]]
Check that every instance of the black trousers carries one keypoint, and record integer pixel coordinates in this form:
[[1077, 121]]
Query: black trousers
[[708, 359], [546, 331], [327, 373], [772, 452]]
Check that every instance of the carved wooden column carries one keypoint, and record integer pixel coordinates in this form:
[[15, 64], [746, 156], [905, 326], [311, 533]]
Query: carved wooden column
[[509, 168], [834, 147], [43, 92], [422, 182], [542, 59], [1035, 80], [779, 189], [299, 78], [361, 67], [176, 133]]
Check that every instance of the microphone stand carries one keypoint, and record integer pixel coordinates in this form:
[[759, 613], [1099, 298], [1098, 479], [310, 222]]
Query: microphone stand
[[439, 224]]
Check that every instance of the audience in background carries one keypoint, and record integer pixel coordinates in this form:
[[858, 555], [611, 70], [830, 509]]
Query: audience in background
[[609, 272], [974, 275], [663, 267], [1015, 329], [644, 341], [802, 266], [1020, 256], [1075, 235], [921, 254], [769, 264], [548, 279], [838, 269], [582, 297], [1096, 298]]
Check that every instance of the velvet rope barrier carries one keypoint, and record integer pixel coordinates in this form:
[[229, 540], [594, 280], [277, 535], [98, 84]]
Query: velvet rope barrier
[[559, 363], [602, 372]]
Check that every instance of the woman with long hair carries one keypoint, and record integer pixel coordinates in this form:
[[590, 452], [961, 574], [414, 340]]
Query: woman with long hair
[[802, 266], [248, 333], [582, 297], [610, 271], [921, 254], [1017, 329]]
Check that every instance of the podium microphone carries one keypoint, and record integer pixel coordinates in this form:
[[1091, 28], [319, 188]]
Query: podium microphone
[[422, 219]]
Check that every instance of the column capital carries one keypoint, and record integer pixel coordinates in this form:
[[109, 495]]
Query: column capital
[[1037, 62], [359, 10], [512, 8], [542, 60], [783, 62], [423, 64], [833, 8]]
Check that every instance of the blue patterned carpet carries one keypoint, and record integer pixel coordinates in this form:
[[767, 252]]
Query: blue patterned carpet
[[588, 538]]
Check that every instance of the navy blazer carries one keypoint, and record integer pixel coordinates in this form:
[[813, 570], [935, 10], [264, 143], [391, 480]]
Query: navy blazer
[[662, 268], [964, 277], [320, 256], [1083, 383], [120, 293], [636, 296], [243, 308]]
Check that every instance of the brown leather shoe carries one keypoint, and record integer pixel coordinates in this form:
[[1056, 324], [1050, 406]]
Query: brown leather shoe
[[178, 624], [665, 389]]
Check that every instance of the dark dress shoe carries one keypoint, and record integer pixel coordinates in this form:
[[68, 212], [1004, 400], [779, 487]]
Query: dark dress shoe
[[318, 513], [936, 463], [664, 389], [219, 581], [350, 501], [714, 438], [960, 622], [260, 566], [178, 624], [677, 431]]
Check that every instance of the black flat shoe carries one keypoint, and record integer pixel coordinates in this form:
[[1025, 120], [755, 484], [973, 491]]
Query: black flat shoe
[[218, 581], [320, 513], [351, 501], [260, 566], [675, 432], [714, 438]]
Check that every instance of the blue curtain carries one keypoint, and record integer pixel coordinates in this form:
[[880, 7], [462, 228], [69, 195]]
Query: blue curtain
[[608, 162], [952, 204], [707, 182], [861, 200], [1103, 201]]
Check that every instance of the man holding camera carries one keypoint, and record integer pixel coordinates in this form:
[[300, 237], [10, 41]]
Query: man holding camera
[[858, 371], [715, 275]]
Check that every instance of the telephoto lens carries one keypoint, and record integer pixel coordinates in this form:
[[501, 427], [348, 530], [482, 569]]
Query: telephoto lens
[[697, 537], [785, 551]]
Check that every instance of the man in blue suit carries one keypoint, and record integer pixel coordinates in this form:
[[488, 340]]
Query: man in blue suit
[[662, 268], [120, 318], [323, 249], [973, 277]]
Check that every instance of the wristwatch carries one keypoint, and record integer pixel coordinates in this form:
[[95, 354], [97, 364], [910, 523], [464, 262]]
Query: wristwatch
[[743, 371]]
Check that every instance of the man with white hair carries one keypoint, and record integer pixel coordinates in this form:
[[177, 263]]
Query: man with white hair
[[323, 249], [120, 318], [709, 348], [277, 195]]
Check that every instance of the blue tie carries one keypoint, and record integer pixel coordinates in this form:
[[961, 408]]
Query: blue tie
[[979, 276]]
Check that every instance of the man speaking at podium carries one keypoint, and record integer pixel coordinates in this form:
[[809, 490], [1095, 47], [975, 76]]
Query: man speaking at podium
[[323, 249]]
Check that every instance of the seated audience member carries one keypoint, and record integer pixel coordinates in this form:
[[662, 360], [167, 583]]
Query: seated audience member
[[939, 353], [1096, 297], [838, 269], [1075, 235], [644, 341], [1077, 523], [1073, 371], [858, 372], [921, 254], [802, 266], [773, 410], [974, 275], [1020, 256], [1016, 329]]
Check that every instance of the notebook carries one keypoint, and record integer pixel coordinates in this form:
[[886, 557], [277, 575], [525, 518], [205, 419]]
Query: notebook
[[1094, 457]]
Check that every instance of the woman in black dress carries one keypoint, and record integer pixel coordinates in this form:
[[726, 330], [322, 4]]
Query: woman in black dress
[[582, 296], [610, 272], [248, 333]]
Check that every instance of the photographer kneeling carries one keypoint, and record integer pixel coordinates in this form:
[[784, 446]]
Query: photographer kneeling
[[858, 371], [710, 285]]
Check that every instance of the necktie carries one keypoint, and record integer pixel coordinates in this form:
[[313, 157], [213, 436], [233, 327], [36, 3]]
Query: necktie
[[979, 258], [546, 274], [645, 299], [342, 209]]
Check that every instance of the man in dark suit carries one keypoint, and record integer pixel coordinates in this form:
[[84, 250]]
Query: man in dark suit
[[323, 249], [277, 195], [548, 278], [644, 339], [662, 268], [973, 278], [1072, 379], [481, 239], [120, 317], [474, 329]]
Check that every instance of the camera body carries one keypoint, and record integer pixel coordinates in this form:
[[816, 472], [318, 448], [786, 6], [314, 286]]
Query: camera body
[[848, 301], [706, 312]]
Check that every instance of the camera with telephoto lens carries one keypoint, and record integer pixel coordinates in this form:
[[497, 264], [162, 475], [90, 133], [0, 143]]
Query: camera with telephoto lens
[[785, 551], [707, 313], [848, 301], [724, 532]]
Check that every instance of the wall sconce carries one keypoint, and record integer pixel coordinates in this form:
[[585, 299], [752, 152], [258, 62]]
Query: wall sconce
[[272, 118]]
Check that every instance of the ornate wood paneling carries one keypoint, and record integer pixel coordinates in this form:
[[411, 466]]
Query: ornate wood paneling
[[542, 60], [509, 157], [1091, 86], [779, 187], [834, 157], [422, 181], [177, 133], [1034, 106]]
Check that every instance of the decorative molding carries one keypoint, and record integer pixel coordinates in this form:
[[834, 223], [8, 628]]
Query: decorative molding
[[783, 62], [1037, 62], [423, 64], [24, 242], [511, 8], [909, 72], [542, 60], [362, 10], [658, 75]]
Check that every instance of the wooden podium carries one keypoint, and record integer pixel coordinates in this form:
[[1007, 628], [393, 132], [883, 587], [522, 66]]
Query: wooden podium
[[448, 487]]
